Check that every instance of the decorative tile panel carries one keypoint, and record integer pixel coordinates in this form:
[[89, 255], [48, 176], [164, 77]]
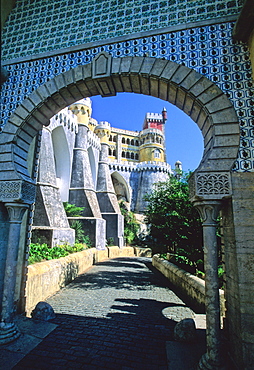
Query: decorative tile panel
[[39, 26], [209, 50]]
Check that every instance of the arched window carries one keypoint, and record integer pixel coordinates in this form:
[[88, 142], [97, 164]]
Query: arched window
[[123, 154], [110, 138], [109, 151], [128, 141], [114, 138], [156, 153], [127, 155], [132, 155], [136, 156], [132, 142], [114, 153], [123, 140], [136, 143]]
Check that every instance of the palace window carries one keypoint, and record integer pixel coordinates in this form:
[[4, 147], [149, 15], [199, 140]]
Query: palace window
[[156, 153]]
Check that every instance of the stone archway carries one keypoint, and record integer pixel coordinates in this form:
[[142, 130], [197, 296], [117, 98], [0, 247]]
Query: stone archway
[[121, 187], [197, 96]]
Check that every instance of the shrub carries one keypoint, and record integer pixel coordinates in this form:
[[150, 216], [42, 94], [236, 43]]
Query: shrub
[[42, 252], [131, 226]]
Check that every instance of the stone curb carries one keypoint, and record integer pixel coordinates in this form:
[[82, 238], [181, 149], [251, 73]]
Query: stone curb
[[191, 286]]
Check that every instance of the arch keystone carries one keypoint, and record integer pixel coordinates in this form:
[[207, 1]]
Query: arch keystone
[[101, 65]]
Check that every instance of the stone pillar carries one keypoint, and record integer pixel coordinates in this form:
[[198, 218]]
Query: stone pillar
[[105, 190], [50, 224], [209, 211], [82, 191], [8, 329]]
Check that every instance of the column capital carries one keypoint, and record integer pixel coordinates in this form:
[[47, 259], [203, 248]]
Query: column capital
[[208, 211], [16, 211]]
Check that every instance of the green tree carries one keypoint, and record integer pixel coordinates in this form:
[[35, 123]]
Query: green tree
[[175, 225]]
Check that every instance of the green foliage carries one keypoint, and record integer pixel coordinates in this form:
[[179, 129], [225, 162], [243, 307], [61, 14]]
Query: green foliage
[[110, 241], [79, 232], [80, 236], [174, 223], [42, 252], [39, 252], [131, 226], [72, 210]]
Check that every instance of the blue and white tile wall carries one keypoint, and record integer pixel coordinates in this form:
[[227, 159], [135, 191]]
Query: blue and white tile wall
[[37, 26], [208, 49]]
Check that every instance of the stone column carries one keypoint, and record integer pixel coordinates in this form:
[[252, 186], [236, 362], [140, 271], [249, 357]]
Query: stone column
[[8, 329], [209, 211]]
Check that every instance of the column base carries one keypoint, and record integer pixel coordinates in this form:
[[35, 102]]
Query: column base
[[8, 332], [206, 363]]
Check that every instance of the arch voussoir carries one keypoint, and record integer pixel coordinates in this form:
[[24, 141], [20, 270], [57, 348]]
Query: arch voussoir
[[163, 89], [154, 87], [83, 88], [180, 98], [147, 66], [168, 71], [197, 96], [191, 79], [78, 74], [135, 83], [172, 91], [180, 74], [136, 65], [158, 67], [209, 94], [201, 86], [125, 66]]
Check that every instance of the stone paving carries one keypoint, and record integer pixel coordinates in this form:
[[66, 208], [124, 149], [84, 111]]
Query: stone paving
[[118, 315]]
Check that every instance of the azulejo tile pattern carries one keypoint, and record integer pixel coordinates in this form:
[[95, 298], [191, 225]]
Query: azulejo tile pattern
[[209, 50], [39, 26]]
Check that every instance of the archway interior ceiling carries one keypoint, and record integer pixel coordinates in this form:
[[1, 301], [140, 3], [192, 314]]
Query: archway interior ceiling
[[207, 50]]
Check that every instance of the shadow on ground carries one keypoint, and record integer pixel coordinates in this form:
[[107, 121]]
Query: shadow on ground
[[128, 333]]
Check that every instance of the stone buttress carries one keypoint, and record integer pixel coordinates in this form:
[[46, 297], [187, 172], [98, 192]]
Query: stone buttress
[[105, 190], [82, 188]]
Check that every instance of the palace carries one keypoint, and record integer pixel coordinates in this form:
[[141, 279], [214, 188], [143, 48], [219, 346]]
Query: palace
[[197, 55], [71, 169]]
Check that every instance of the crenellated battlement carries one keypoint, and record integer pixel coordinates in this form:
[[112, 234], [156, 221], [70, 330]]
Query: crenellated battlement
[[93, 140], [141, 166], [65, 118]]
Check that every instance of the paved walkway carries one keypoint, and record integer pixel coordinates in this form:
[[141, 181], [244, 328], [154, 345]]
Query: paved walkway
[[118, 315]]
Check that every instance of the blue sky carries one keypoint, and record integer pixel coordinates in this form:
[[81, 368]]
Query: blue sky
[[184, 140]]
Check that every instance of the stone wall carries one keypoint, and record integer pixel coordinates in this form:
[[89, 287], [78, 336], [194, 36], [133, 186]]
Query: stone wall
[[46, 278], [191, 286], [239, 261]]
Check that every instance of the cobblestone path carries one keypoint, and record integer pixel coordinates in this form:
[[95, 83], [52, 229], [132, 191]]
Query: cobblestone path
[[118, 315]]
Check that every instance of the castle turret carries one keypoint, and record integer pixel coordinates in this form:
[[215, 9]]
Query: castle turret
[[152, 138], [83, 110]]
